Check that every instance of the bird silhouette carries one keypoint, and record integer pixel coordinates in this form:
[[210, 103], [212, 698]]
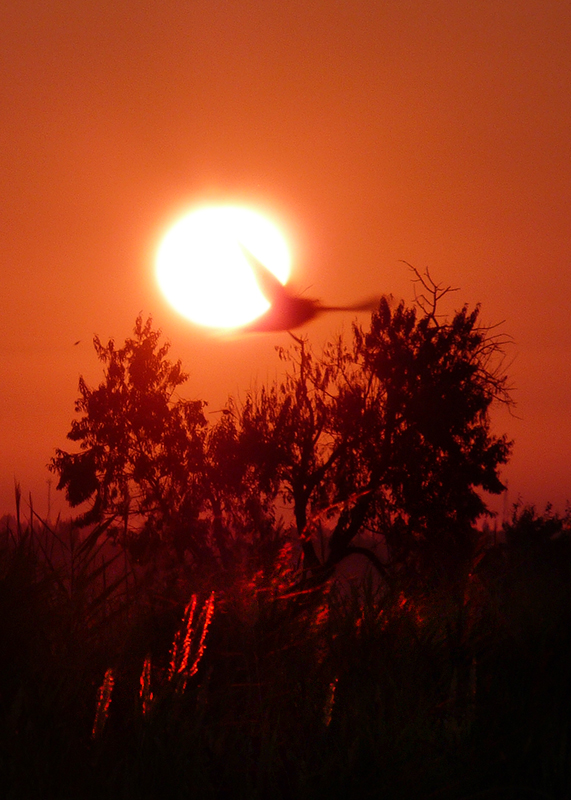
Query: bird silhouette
[[288, 311]]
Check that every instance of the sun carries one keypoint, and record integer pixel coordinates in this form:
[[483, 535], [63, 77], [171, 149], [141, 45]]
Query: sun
[[203, 272]]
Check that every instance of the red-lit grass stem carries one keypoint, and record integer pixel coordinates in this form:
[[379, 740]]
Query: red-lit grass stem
[[103, 703]]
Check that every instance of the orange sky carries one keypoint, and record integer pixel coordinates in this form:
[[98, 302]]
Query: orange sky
[[435, 132]]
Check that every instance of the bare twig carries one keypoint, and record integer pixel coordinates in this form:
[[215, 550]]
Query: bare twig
[[434, 292]]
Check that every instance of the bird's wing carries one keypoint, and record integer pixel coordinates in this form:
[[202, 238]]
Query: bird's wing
[[271, 288]]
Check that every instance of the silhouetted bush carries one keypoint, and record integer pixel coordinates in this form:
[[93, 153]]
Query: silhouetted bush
[[387, 437]]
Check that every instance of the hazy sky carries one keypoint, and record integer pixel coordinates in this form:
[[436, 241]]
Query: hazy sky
[[434, 132]]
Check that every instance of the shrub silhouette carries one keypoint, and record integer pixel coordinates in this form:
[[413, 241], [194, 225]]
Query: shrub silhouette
[[141, 451], [387, 438], [390, 437]]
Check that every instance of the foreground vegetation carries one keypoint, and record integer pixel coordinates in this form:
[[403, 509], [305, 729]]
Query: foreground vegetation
[[358, 689], [198, 631]]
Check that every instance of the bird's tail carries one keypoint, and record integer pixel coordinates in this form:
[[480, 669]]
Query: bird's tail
[[371, 304]]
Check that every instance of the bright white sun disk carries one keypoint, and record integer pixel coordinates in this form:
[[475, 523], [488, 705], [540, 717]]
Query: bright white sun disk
[[204, 273]]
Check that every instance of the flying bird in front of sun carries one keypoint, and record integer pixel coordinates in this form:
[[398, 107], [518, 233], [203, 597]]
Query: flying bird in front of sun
[[287, 310], [227, 267]]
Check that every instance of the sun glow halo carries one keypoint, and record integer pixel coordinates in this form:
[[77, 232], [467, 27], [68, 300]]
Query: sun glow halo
[[203, 272]]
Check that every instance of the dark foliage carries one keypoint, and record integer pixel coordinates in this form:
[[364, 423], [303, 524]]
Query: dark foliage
[[377, 449], [142, 450], [390, 438]]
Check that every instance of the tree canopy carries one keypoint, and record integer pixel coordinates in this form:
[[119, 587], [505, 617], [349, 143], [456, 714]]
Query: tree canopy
[[141, 448], [379, 447]]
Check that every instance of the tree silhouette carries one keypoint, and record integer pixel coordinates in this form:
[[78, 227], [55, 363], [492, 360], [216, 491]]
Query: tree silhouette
[[388, 438], [149, 462], [141, 455], [379, 448]]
